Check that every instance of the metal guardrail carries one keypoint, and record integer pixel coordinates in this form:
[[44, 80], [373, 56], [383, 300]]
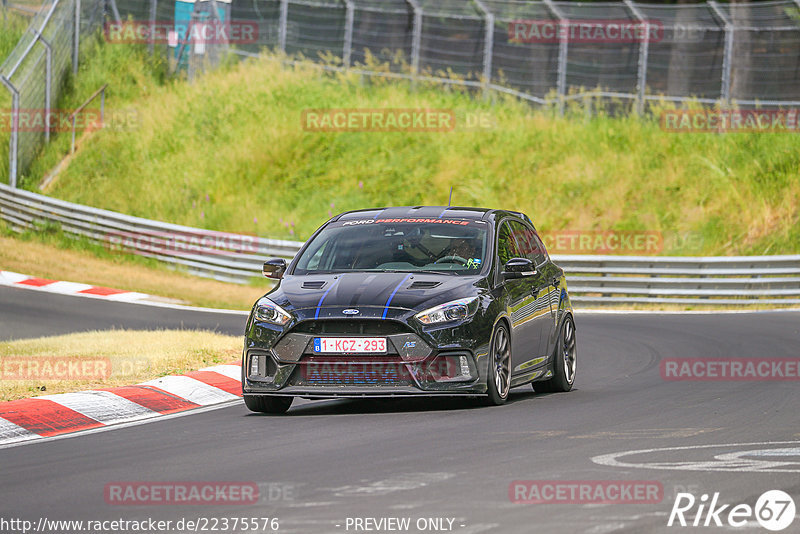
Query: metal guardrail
[[740, 280], [218, 255]]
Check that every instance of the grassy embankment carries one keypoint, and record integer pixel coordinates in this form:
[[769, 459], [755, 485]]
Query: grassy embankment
[[229, 152]]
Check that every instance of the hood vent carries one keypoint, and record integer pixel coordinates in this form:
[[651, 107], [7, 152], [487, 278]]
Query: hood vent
[[314, 285], [422, 284]]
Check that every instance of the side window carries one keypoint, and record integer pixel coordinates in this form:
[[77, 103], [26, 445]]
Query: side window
[[506, 245], [541, 248], [313, 263], [529, 244]]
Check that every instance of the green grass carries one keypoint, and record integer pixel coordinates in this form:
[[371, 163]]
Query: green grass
[[228, 152], [11, 29]]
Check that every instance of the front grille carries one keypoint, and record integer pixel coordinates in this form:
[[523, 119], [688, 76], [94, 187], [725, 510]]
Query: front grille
[[370, 327], [352, 373]]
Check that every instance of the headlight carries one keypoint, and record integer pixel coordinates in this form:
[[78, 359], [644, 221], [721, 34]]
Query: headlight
[[456, 310], [269, 312]]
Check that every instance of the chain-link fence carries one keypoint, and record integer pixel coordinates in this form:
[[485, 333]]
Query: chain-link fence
[[549, 52], [543, 51], [35, 70]]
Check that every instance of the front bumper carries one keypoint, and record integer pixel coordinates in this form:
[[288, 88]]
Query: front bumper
[[444, 361]]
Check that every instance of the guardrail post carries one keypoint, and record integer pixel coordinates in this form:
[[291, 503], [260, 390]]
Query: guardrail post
[[727, 58], [416, 38], [350, 15], [153, 10], [644, 48], [14, 140], [282, 25], [77, 41], [488, 46], [563, 50]]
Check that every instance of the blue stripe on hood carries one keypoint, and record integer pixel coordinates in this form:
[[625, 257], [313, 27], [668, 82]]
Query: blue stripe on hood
[[389, 300], [316, 313]]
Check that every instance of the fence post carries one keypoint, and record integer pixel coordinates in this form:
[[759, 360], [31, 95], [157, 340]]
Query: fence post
[[153, 10], [563, 50], [416, 38], [48, 83], [77, 40], [14, 140], [115, 11], [644, 48], [283, 22], [348, 32], [727, 54], [488, 47]]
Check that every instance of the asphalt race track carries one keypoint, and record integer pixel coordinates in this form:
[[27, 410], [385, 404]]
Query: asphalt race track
[[327, 461], [25, 313]]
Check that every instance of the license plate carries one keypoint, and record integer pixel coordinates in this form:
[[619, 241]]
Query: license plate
[[346, 345]]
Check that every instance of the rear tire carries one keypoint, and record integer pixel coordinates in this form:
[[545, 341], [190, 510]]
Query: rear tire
[[498, 380], [565, 364], [268, 403]]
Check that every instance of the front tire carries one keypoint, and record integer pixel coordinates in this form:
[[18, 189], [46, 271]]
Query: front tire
[[499, 375], [565, 364], [268, 403]]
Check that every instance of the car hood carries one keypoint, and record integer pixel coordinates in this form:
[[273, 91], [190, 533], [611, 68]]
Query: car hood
[[372, 291]]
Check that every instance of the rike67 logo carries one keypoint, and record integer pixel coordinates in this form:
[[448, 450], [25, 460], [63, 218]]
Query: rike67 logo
[[774, 510]]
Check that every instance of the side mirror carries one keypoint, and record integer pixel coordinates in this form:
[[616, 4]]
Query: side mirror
[[517, 268], [274, 268]]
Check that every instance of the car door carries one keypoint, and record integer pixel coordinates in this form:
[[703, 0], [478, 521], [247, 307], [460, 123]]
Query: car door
[[536, 318], [551, 275]]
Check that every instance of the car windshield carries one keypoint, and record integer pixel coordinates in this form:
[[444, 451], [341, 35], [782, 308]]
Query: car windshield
[[455, 246]]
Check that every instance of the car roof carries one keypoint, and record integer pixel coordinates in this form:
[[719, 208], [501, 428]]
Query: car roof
[[437, 212]]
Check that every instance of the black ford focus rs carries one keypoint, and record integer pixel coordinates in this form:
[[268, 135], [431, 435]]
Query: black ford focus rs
[[411, 301]]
